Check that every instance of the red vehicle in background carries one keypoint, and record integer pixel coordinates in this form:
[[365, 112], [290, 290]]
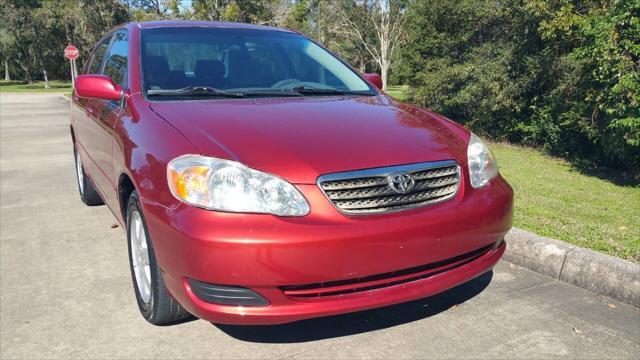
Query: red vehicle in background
[[263, 180]]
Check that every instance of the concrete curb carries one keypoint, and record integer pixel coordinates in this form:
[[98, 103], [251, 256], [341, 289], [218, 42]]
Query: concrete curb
[[600, 273]]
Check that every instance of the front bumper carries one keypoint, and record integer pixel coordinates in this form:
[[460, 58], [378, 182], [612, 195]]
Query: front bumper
[[268, 254]]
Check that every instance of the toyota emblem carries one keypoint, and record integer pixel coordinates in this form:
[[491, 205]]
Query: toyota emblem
[[401, 182]]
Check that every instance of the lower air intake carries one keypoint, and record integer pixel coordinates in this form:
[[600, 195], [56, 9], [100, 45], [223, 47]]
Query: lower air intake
[[226, 295]]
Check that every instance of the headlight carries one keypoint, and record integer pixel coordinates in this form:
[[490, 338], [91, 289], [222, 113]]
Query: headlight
[[225, 185], [482, 164]]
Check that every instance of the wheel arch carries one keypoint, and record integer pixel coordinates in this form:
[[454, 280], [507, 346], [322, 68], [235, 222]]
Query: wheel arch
[[73, 134], [125, 188]]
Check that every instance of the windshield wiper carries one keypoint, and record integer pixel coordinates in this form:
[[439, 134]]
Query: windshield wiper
[[306, 90], [194, 91], [270, 92]]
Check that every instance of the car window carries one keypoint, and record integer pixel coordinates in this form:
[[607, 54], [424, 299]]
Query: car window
[[240, 59], [98, 56], [115, 66]]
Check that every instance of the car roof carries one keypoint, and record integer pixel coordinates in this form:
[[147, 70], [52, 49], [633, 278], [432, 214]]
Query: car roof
[[209, 24]]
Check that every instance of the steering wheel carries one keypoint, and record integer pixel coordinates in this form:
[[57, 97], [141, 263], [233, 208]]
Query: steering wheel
[[282, 83]]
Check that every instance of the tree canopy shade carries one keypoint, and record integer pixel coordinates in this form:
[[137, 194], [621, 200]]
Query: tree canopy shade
[[558, 74]]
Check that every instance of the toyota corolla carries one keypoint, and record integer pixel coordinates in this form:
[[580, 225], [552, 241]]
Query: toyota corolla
[[262, 180]]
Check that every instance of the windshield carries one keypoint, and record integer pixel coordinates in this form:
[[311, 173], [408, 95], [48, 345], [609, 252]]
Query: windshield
[[241, 62]]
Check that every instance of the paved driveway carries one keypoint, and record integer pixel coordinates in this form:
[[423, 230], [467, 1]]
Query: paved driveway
[[66, 293]]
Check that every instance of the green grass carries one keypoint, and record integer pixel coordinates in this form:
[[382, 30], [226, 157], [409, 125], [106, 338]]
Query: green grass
[[36, 87], [398, 92], [554, 199]]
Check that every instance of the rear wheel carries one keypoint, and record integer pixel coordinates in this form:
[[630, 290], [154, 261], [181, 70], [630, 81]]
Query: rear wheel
[[88, 193], [154, 301]]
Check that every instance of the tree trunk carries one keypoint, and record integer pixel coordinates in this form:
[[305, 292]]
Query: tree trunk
[[27, 75], [46, 79], [385, 19], [44, 74], [7, 76], [384, 71]]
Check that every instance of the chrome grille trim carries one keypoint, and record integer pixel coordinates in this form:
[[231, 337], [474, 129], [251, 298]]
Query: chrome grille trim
[[365, 192]]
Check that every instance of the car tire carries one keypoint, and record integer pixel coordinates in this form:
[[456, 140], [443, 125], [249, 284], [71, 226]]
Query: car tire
[[88, 193], [156, 305]]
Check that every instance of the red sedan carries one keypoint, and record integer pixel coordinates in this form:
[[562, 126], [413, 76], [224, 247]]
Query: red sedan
[[263, 180]]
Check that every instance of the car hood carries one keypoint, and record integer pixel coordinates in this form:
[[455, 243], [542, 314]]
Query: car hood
[[300, 139]]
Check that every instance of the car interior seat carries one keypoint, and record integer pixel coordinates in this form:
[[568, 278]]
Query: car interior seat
[[210, 73]]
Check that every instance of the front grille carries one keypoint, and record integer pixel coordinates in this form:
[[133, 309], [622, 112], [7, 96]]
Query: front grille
[[370, 191], [373, 282]]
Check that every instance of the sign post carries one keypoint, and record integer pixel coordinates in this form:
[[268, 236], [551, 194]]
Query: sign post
[[71, 52]]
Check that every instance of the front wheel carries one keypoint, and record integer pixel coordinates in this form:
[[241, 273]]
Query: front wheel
[[154, 301]]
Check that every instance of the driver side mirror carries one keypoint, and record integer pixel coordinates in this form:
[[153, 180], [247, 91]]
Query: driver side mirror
[[97, 87], [374, 79]]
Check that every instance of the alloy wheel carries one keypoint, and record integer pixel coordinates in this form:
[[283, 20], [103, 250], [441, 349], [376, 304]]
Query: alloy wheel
[[140, 256], [80, 172]]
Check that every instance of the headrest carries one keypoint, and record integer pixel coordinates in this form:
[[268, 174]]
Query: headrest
[[209, 68], [157, 65]]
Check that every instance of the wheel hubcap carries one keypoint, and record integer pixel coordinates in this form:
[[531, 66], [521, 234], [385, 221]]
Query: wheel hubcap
[[80, 173], [140, 256]]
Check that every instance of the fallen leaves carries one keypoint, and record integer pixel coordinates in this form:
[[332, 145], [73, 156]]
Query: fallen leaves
[[577, 331], [113, 226], [611, 306]]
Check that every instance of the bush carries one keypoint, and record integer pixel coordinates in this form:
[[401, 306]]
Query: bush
[[564, 75]]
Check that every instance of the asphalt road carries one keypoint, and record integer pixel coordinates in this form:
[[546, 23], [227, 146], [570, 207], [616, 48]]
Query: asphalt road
[[66, 292]]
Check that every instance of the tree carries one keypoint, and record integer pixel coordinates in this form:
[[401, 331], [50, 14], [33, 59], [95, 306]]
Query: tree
[[33, 33], [382, 18], [143, 10], [209, 9], [562, 75], [21, 25], [6, 47], [469, 60], [595, 93], [249, 11]]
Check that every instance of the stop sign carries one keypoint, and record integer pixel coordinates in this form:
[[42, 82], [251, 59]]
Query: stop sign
[[71, 52]]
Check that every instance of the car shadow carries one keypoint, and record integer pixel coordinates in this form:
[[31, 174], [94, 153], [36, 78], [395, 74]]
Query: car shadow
[[359, 322]]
